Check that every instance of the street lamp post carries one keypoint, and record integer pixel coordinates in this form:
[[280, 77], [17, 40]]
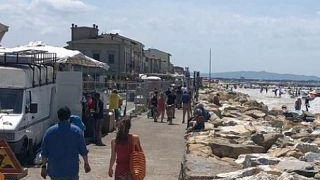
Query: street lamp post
[[210, 69]]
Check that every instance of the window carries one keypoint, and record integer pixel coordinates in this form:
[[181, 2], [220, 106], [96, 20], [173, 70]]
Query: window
[[11, 100], [111, 59], [96, 56]]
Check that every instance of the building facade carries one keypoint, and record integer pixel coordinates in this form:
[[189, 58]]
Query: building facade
[[3, 30], [122, 54], [157, 61], [178, 70]]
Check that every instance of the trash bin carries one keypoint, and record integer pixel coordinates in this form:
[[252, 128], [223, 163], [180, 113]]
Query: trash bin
[[108, 123]]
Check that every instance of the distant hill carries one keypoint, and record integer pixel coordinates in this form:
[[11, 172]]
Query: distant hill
[[262, 75]]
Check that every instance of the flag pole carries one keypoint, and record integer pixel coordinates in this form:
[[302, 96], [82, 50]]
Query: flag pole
[[210, 69]]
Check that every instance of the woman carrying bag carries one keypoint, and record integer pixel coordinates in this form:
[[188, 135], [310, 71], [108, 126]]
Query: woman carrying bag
[[126, 151]]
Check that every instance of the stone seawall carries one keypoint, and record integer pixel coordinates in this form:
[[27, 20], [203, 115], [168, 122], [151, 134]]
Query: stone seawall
[[245, 140]]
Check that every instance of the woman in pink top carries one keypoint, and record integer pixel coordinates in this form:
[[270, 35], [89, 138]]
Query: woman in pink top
[[120, 152], [161, 106]]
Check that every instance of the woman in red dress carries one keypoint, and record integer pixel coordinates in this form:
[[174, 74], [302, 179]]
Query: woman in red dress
[[120, 152]]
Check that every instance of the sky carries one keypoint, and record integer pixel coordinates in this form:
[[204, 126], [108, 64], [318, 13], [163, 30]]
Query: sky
[[281, 36]]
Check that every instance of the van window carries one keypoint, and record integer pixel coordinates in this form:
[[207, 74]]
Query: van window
[[11, 100]]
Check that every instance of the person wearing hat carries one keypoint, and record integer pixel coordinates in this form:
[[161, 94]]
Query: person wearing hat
[[76, 120]]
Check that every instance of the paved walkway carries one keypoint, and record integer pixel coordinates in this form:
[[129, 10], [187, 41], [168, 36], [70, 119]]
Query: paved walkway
[[163, 145]]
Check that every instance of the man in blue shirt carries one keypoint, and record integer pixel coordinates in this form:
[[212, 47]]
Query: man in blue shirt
[[61, 146]]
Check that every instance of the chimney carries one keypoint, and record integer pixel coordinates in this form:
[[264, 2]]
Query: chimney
[[72, 33], [94, 25]]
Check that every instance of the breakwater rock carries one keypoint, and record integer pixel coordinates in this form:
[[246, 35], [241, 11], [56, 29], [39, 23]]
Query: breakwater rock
[[245, 140]]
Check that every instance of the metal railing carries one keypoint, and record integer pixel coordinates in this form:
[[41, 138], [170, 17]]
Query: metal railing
[[34, 59], [29, 57]]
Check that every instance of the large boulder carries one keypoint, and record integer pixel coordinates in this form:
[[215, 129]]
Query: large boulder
[[264, 127], [208, 126], [231, 113], [201, 138], [275, 112], [289, 132], [202, 168], [311, 157], [241, 100], [300, 167], [285, 152], [292, 176], [279, 152], [276, 121], [261, 176], [227, 121], [224, 149], [199, 150], [240, 173], [216, 111], [294, 153], [265, 140], [255, 113], [316, 141], [255, 104], [307, 147], [236, 130], [252, 160]]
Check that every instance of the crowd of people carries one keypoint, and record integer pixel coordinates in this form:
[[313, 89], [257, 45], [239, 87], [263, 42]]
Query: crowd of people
[[179, 98], [67, 138], [174, 98], [92, 115]]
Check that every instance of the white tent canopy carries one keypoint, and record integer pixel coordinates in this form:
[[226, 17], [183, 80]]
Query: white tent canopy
[[63, 55], [176, 75], [150, 78]]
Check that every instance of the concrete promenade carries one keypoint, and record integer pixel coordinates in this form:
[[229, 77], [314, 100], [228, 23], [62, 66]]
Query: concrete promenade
[[163, 145]]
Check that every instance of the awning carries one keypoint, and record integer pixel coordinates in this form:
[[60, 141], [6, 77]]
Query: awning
[[63, 55]]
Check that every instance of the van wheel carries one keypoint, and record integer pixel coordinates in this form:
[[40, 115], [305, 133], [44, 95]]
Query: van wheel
[[31, 148], [26, 153], [23, 152]]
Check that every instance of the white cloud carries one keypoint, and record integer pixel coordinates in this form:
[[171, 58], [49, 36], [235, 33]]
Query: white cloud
[[65, 6], [42, 16]]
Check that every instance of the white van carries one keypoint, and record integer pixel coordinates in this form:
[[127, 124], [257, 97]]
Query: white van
[[30, 96]]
